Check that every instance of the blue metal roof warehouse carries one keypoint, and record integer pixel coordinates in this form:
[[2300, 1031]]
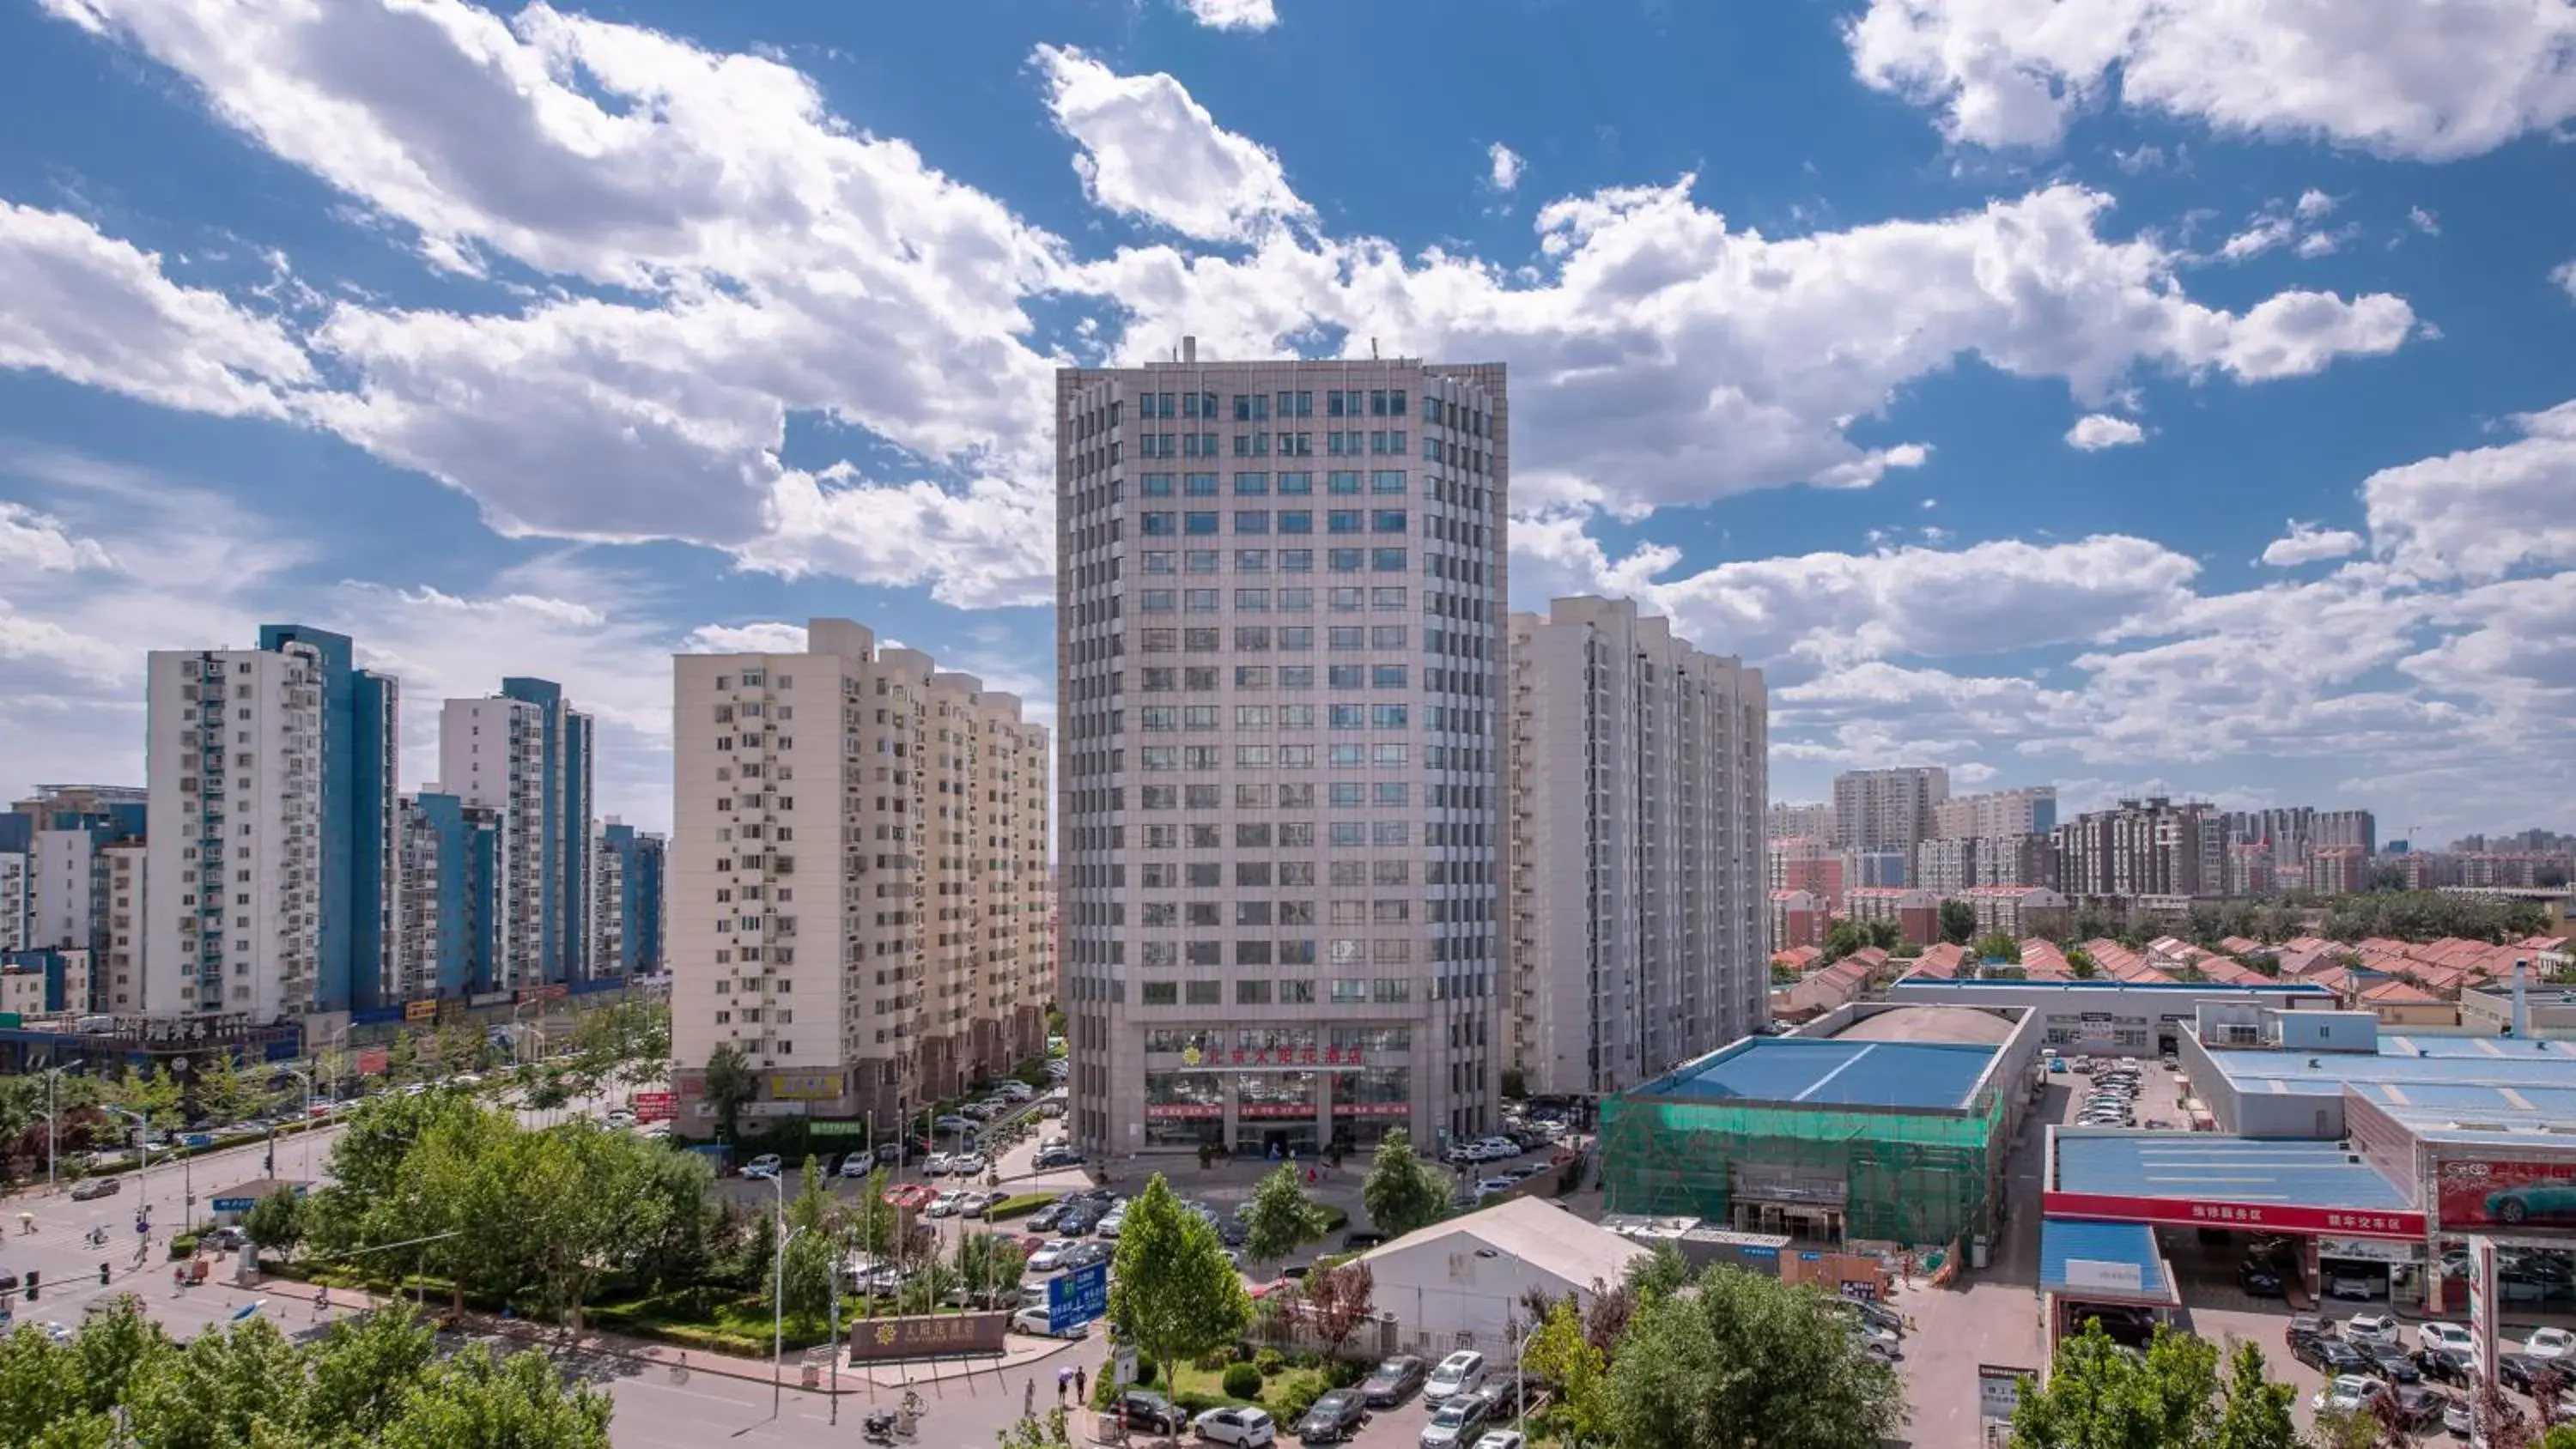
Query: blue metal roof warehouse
[[1925, 1075]]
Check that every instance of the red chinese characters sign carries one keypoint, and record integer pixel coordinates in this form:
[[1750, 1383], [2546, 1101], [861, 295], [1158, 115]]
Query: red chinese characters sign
[[1276, 1109], [655, 1107], [1169, 1110], [2262, 1216], [1272, 1057], [1371, 1109], [2518, 1195]]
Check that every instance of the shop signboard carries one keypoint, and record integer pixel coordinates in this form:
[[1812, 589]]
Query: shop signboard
[[2471, 1193], [2253, 1216], [1371, 1109], [2370, 1250], [372, 1061], [2482, 1305], [655, 1107], [946, 1335], [420, 1011], [1164, 1111], [1999, 1390], [805, 1086]]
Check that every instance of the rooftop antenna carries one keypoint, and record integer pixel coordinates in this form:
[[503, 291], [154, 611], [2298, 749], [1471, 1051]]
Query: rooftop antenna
[[1372, 349]]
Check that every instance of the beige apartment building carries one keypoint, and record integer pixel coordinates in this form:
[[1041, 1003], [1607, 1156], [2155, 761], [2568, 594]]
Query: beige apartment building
[[1639, 912], [856, 877], [1280, 621]]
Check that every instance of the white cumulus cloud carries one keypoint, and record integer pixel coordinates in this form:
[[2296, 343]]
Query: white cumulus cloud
[[1503, 166], [1150, 150], [2401, 78], [2095, 431], [2309, 543], [1233, 14]]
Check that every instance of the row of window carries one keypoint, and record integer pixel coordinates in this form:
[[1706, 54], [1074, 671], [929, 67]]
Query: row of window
[[1279, 1038], [1261, 638], [1341, 599], [1253, 835], [1255, 407], [1163, 524], [1259, 485], [1288, 993], [1272, 757], [1339, 951]]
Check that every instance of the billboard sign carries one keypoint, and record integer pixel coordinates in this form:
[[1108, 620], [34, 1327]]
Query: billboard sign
[[372, 1061], [655, 1107], [420, 1011], [1076, 1298], [2253, 1216], [2518, 1195], [880, 1340]]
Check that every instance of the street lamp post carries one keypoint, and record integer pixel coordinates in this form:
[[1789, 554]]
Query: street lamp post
[[143, 1144], [1520, 1383], [308, 1115], [778, 1293], [53, 1140]]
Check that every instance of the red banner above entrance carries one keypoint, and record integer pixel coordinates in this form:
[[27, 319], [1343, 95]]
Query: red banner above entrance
[[2258, 1216]]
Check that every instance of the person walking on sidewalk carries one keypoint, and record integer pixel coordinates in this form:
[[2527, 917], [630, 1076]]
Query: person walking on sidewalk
[[1029, 1398], [1063, 1381], [322, 1301], [1081, 1386]]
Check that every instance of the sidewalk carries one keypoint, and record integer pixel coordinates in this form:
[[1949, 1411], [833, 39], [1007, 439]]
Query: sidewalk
[[1021, 1352]]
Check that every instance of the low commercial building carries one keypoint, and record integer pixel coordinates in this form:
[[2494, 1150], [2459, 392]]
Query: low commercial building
[[1874, 1125], [1465, 1283], [2107, 1017]]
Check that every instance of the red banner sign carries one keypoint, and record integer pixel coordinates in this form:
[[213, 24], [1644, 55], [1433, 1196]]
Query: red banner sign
[[2473, 1194], [372, 1061], [1168, 1110], [1372, 1109], [1275, 1109], [2260, 1216], [655, 1107]]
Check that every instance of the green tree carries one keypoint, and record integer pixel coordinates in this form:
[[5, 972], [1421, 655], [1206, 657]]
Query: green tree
[[276, 1222], [1746, 1362], [874, 1223], [1171, 1291], [2079, 964], [1660, 1273], [153, 1097], [476, 1400], [1580, 1372], [1997, 947], [1402, 1192], [991, 1265], [224, 1093], [1958, 922], [2255, 1413], [2100, 1396], [1842, 938], [1281, 1218], [1051, 1433], [813, 1249], [1885, 935], [728, 1086]]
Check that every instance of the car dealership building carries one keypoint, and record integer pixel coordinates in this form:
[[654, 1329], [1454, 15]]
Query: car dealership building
[[2376, 1153]]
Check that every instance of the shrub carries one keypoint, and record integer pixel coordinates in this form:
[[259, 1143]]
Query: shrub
[[182, 1245], [1269, 1362], [1020, 1206], [1243, 1381], [1216, 1361], [1291, 1396]]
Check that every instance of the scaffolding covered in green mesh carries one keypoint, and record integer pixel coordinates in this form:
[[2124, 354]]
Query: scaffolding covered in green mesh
[[1911, 1176]]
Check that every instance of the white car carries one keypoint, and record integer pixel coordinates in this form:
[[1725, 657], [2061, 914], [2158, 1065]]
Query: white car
[[2348, 1394], [1503, 1439], [2371, 1330], [1462, 1372], [1108, 1227], [2550, 1343], [945, 1205], [1033, 1322], [1250, 1428], [764, 1168], [1487, 1186], [969, 1164], [856, 1165], [2446, 1335], [1049, 1254]]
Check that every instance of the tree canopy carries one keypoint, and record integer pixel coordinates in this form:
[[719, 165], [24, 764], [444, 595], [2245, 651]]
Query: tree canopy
[[729, 1084], [1958, 922], [1281, 1218], [1402, 1192], [1171, 1291], [2102, 1396], [371, 1380], [1746, 1362]]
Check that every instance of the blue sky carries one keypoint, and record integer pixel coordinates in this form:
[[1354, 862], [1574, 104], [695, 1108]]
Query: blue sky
[[2128, 394]]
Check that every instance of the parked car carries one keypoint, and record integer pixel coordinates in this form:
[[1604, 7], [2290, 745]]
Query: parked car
[[1395, 1380], [1333, 1418], [1033, 1322], [1054, 1157], [1145, 1409], [2350, 1284], [857, 1164], [2550, 1343], [946, 1204], [2346, 1394], [1456, 1422], [2444, 1365], [1462, 1372], [1502, 1439], [971, 1164], [2371, 1330], [1108, 1226], [222, 1240], [2416, 1406], [95, 1188], [2258, 1279], [1248, 1427], [764, 1168], [2331, 1356], [1084, 1255], [2449, 1336], [1049, 1255], [2392, 1364], [2305, 1325]]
